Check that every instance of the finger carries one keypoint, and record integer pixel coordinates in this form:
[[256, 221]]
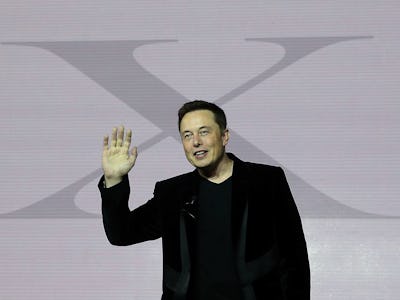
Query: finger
[[120, 136], [134, 152], [114, 137], [133, 156], [128, 138], [105, 142]]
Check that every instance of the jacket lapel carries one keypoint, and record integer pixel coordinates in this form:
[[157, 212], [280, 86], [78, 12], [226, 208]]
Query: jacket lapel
[[178, 281], [240, 189]]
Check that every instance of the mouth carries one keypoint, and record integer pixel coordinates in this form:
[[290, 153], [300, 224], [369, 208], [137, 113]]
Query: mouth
[[200, 154]]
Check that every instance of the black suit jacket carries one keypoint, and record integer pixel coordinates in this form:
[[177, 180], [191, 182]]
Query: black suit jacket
[[269, 244]]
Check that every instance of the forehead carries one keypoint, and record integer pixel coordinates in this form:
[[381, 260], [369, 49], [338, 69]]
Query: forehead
[[196, 119]]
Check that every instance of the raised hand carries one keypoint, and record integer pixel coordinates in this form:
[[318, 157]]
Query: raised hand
[[117, 160]]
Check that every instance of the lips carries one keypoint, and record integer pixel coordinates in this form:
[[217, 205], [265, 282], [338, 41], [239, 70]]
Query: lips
[[200, 153]]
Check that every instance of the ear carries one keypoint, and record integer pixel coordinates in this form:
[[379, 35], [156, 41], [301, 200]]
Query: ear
[[225, 137]]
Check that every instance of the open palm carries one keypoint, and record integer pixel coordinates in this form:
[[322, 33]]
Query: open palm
[[117, 160]]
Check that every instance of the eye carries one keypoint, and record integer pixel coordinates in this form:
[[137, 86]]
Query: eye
[[187, 135], [203, 132]]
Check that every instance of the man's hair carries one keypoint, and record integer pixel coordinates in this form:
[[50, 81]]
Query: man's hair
[[219, 114]]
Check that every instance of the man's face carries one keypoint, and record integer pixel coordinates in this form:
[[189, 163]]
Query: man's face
[[202, 139]]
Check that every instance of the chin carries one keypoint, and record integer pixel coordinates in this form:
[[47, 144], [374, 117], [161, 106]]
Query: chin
[[200, 164]]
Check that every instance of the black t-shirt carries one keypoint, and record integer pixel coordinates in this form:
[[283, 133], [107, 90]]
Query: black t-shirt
[[213, 265]]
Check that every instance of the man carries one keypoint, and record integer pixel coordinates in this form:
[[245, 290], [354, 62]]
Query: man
[[230, 229]]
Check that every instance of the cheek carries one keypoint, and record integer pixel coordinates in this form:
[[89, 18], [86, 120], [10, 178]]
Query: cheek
[[186, 148]]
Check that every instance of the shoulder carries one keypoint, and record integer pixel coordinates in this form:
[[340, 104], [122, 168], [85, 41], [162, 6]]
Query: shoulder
[[262, 167], [262, 172], [255, 169], [177, 181]]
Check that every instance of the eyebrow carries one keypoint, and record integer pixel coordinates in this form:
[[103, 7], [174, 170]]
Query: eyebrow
[[200, 128]]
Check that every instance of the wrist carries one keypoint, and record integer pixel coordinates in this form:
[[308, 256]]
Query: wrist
[[111, 181]]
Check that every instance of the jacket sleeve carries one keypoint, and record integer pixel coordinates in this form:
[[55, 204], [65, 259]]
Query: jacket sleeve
[[123, 226], [294, 264]]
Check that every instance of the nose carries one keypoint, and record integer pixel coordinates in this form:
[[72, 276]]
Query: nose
[[196, 140]]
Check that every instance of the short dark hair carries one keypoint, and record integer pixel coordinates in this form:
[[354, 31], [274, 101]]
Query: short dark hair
[[219, 114]]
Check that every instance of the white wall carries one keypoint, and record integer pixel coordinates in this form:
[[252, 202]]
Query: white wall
[[312, 86]]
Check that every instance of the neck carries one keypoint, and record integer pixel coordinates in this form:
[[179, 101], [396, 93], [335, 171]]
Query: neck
[[220, 172]]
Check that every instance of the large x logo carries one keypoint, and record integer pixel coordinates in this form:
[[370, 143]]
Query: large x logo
[[121, 75]]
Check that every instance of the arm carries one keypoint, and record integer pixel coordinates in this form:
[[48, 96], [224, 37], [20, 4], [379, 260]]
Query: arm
[[122, 226]]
